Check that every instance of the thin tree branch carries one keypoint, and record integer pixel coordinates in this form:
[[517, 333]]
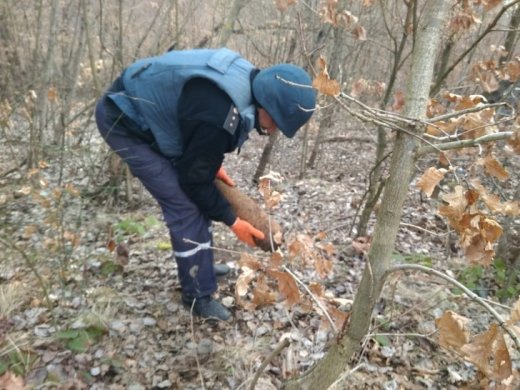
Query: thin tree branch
[[465, 143], [473, 45], [474, 297], [320, 305]]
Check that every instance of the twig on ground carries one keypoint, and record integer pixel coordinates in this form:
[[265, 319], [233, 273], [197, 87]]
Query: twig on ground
[[335, 385], [281, 346], [193, 338], [422, 229], [474, 297]]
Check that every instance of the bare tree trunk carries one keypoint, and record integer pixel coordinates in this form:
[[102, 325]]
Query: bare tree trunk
[[376, 181], [266, 155], [269, 146], [37, 133], [334, 66], [333, 364], [512, 36], [90, 46], [227, 27]]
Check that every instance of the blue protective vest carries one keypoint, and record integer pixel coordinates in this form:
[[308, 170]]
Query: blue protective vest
[[153, 86]]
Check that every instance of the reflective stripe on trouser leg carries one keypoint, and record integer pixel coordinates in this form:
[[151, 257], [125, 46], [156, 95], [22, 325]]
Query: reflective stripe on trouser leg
[[183, 218]]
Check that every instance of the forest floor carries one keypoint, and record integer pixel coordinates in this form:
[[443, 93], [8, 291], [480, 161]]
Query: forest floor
[[73, 315]]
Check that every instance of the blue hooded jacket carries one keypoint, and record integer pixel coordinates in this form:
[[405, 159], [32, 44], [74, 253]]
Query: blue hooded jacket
[[153, 86]]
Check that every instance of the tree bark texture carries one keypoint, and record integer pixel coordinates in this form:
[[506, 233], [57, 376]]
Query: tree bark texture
[[349, 341]]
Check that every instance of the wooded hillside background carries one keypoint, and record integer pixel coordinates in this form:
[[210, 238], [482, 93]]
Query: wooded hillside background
[[399, 202]]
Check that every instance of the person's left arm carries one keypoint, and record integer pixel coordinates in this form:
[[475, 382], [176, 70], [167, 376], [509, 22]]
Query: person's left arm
[[197, 168]]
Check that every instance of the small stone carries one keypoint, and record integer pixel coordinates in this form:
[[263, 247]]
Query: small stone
[[228, 301], [95, 371], [44, 330], [149, 321], [166, 384], [205, 347], [118, 326]]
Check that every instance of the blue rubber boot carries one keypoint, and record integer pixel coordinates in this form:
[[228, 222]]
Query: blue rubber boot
[[221, 270], [207, 307]]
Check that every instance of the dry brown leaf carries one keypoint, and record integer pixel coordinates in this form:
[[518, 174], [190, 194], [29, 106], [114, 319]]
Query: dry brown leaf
[[488, 351], [430, 179], [493, 202], [244, 281], [317, 289], [325, 85], [339, 317], [453, 332], [360, 33], [477, 251], [464, 21], [442, 128], [262, 293], [248, 261], [490, 4], [52, 94], [122, 254], [487, 80], [287, 286], [111, 245], [358, 88], [493, 167], [515, 313], [276, 259], [323, 266], [514, 142], [283, 5], [398, 103], [322, 82], [9, 381], [271, 198], [457, 203], [490, 230]]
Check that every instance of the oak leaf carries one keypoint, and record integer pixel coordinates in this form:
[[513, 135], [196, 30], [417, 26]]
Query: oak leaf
[[358, 88], [287, 286], [493, 201], [323, 82], [360, 33], [515, 315], [399, 101], [441, 128], [430, 179], [488, 351], [247, 261], [244, 281], [283, 5], [490, 230], [478, 251], [514, 142], [9, 381], [453, 332], [456, 205], [493, 167], [262, 293], [323, 266]]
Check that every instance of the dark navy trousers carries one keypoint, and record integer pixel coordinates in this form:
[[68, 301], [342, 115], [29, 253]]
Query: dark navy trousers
[[159, 176]]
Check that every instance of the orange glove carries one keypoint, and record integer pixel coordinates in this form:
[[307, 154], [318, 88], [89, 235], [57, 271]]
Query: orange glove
[[222, 175], [246, 232]]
